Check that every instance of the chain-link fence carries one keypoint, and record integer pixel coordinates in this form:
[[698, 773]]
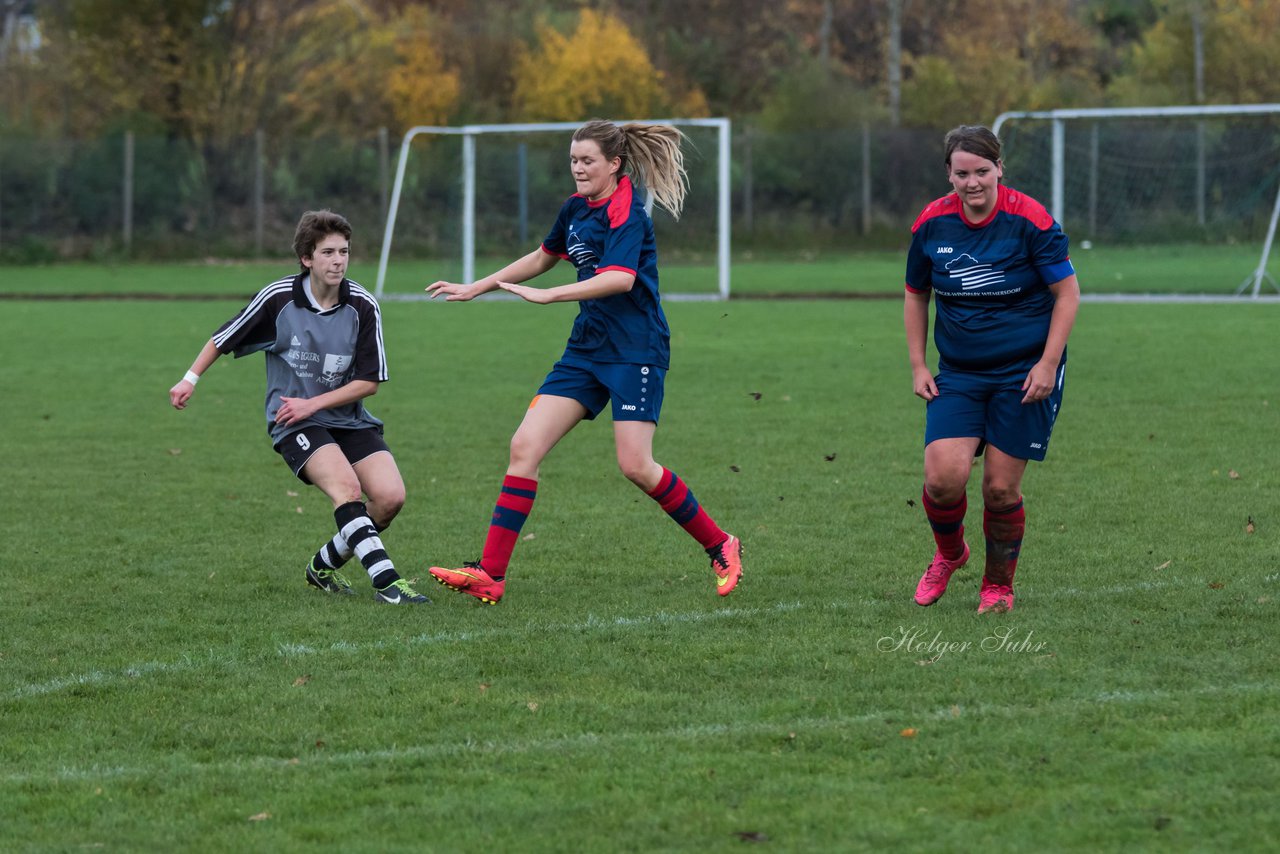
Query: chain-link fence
[[797, 190]]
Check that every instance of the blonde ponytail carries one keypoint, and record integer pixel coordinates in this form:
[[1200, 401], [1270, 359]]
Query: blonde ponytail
[[650, 153]]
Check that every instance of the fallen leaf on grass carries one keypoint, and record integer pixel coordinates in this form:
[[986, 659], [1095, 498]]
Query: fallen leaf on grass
[[301, 680], [751, 836], [299, 509], [909, 732], [262, 816], [533, 707], [755, 395], [484, 686], [734, 469], [1164, 565], [291, 493], [911, 502], [1249, 527], [831, 458], [320, 743], [528, 537], [1216, 585], [175, 451], [1233, 474]]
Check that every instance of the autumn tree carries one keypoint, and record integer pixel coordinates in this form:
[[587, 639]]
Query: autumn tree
[[599, 68], [1240, 38], [1018, 54], [352, 68]]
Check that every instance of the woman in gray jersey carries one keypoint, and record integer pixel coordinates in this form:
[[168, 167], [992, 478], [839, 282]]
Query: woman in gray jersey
[[322, 336]]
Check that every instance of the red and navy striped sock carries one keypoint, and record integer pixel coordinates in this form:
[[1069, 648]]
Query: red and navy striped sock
[[1004, 530], [514, 503], [676, 499], [948, 524]]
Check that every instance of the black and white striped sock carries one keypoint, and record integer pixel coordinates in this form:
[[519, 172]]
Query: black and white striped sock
[[357, 530], [335, 553]]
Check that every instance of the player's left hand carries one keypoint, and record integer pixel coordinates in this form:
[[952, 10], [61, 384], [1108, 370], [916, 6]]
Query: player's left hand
[[537, 295], [294, 409], [1039, 382]]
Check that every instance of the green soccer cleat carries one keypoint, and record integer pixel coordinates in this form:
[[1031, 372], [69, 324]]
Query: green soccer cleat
[[328, 580], [400, 592]]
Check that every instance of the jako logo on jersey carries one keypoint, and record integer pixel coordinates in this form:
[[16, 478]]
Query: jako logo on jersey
[[972, 273], [945, 250], [627, 407]]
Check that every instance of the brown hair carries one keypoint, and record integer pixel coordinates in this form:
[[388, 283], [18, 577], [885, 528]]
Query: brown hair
[[650, 153], [973, 139], [314, 227]]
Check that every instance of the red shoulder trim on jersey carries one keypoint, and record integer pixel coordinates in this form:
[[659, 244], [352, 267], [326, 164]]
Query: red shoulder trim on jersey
[[617, 267], [917, 290], [945, 206], [620, 203], [562, 256], [1020, 204]]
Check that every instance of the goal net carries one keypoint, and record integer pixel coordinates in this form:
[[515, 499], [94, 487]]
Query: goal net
[[1154, 177], [468, 200]]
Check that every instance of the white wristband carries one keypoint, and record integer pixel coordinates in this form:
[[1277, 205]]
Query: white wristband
[[192, 378]]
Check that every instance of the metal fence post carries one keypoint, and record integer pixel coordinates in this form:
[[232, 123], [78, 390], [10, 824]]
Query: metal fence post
[[259, 216], [128, 191]]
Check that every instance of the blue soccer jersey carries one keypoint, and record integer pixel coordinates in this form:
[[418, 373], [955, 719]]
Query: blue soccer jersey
[[613, 234], [991, 279]]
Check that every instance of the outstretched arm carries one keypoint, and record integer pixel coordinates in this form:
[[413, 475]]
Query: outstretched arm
[[181, 393], [603, 284], [534, 264]]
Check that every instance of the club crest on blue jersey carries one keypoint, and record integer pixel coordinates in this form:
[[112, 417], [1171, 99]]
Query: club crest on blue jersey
[[972, 273], [579, 252]]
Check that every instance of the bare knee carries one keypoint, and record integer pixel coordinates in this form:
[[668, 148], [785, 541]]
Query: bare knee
[[946, 485], [385, 503], [344, 491], [1001, 495], [526, 456], [643, 472]]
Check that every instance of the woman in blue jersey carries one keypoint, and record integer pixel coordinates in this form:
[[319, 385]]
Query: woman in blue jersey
[[617, 352], [1007, 299]]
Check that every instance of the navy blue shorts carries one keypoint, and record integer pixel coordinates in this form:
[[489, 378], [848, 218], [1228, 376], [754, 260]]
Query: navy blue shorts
[[636, 390], [989, 406]]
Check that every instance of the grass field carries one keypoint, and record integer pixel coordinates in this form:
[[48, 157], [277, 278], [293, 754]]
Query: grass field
[[1180, 269], [168, 682]]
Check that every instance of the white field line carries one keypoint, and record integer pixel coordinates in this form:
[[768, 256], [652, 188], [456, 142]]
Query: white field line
[[289, 650], [614, 739]]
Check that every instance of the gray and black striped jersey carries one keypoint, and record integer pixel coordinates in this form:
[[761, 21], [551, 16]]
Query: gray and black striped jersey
[[309, 351]]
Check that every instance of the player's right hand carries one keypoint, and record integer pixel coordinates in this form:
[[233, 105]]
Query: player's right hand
[[180, 394], [452, 291]]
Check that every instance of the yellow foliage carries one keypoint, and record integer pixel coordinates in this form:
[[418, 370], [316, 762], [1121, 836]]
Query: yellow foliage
[[600, 69], [419, 87]]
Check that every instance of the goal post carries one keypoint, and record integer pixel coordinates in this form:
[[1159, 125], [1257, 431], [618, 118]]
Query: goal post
[[470, 134], [1152, 175]]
